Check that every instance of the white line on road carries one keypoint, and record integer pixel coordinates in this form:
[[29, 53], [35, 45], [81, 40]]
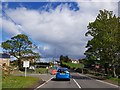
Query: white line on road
[[100, 81], [108, 83], [77, 83], [44, 83]]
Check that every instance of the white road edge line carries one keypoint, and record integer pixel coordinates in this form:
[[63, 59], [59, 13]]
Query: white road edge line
[[77, 83], [101, 81], [44, 83], [108, 83]]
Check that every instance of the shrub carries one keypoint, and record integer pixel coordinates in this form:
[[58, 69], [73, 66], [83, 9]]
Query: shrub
[[5, 70]]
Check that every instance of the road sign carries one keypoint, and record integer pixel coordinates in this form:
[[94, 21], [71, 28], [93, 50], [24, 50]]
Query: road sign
[[26, 64], [46, 67]]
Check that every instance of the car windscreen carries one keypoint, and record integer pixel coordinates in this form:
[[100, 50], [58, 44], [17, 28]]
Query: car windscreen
[[62, 70]]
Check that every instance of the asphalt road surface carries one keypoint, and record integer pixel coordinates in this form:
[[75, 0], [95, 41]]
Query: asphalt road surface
[[77, 81]]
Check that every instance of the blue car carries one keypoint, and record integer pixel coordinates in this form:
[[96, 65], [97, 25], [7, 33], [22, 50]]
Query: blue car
[[63, 73]]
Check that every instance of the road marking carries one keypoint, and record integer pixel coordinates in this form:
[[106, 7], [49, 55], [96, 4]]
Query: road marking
[[77, 83], [100, 80], [44, 83], [107, 83]]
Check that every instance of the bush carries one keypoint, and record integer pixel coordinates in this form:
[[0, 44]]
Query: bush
[[108, 77], [98, 74], [41, 70], [78, 70], [86, 71], [5, 70], [31, 70]]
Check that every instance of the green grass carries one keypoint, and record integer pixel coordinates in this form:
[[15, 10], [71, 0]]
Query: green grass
[[41, 70], [73, 65], [114, 80], [36, 71], [19, 82]]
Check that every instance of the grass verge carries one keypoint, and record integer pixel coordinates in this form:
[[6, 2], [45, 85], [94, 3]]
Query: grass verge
[[108, 79], [19, 82], [73, 65], [29, 71], [114, 80], [41, 70]]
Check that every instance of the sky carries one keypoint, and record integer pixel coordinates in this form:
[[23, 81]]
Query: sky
[[57, 28]]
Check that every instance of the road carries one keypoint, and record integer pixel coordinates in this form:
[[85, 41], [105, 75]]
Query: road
[[77, 81]]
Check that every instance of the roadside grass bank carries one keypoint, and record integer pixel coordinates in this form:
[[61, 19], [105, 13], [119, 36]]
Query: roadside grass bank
[[37, 71], [109, 79], [73, 65], [41, 70], [20, 82], [113, 80], [31, 71]]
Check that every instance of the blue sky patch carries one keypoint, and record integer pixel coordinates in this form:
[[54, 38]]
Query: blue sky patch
[[40, 5]]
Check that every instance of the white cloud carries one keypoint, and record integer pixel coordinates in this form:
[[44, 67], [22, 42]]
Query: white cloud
[[9, 27], [64, 31], [97, 0]]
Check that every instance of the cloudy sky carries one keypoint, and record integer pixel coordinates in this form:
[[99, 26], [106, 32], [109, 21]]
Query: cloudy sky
[[57, 28]]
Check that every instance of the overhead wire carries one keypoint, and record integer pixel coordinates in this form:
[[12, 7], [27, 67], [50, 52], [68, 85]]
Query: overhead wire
[[19, 27]]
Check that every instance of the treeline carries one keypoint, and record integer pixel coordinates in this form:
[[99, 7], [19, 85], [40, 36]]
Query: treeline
[[104, 47], [64, 59]]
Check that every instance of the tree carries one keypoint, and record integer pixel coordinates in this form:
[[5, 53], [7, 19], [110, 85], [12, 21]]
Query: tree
[[104, 44], [64, 59], [20, 47], [61, 58]]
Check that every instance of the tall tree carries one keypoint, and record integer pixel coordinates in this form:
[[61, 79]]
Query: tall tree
[[104, 44], [64, 59], [61, 58], [20, 47]]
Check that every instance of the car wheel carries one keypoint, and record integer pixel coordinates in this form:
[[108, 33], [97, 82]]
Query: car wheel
[[68, 79]]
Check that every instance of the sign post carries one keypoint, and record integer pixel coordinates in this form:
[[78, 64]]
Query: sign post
[[47, 69], [26, 64], [25, 71]]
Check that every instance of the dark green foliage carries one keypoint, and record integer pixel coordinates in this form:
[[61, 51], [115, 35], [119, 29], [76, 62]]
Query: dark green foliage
[[20, 47], [65, 59], [105, 44]]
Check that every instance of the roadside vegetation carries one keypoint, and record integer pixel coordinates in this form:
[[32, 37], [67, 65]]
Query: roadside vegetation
[[19, 82], [31, 71], [38, 71], [103, 50], [113, 80], [65, 61], [21, 48], [73, 65], [102, 54], [41, 70], [116, 80]]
